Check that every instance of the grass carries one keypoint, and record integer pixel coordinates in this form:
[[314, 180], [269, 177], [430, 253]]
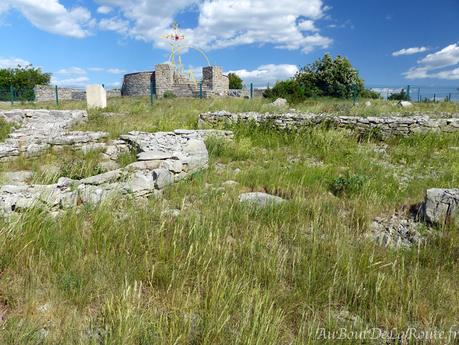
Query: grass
[[48, 167], [127, 272]]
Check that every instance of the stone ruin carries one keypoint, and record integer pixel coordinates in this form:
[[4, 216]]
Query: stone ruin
[[162, 158], [167, 157], [385, 126], [166, 78]]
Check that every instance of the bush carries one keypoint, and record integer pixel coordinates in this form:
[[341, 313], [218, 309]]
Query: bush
[[235, 82], [169, 94], [23, 80], [325, 77], [347, 185], [401, 96], [330, 77], [367, 93], [288, 89]]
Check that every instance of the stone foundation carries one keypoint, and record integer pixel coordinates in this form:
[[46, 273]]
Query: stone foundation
[[384, 126], [162, 158]]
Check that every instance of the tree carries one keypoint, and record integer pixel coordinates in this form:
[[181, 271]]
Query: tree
[[324, 77], [235, 82], [330, 77], [23, 80], [291, 90]]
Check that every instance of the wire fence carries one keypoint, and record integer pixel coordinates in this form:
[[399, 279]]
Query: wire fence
[[416, 93], [13, 94]]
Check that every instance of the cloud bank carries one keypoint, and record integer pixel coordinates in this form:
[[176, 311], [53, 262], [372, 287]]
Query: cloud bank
[[443, 64]]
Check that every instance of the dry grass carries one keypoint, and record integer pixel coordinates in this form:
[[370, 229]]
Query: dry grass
[[127, 272]]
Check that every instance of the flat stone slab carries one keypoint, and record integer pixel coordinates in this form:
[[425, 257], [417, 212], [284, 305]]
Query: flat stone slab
[[260, 199]]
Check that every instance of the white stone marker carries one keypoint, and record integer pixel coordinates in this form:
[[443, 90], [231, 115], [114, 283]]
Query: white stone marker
[[96, 97]]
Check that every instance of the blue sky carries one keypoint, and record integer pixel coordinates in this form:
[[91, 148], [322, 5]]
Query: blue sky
[[391, 43]]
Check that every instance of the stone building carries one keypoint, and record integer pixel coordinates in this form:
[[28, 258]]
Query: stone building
[[166, 78]]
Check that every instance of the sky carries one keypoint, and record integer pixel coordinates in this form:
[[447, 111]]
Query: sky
[[391, 43]]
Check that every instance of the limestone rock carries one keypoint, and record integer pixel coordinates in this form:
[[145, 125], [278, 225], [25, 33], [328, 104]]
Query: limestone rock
[[162, 177], [110, 176], [154, 155], [396, 231], [405, 104], [442, 206], [280, 102], [96, 97], [108, 165], [260, 199]]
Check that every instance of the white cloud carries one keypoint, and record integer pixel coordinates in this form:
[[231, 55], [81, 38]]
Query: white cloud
[[72, 70], [448, 56], [104, 9], [12, 62], [433, 65], [224, 23], [77, 81], [115, 24], [307, 25], [409, 51], [265, 74], [52, 16], [107, 70]]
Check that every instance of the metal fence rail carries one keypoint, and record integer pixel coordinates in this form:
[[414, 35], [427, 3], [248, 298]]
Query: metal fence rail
[[417, 93], [13, 94]]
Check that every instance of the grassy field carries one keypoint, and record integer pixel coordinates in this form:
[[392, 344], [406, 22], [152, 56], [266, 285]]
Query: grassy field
[[129, 272]]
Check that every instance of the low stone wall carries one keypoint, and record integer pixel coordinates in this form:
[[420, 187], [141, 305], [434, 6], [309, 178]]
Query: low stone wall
[[46, 93], [385, 126], [162, 158], [41, 129]]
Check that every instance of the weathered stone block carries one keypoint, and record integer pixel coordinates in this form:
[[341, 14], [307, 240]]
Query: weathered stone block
[[442, 206], [96, 97]]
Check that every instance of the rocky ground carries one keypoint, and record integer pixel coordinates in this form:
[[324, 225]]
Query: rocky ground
[[141, 233]]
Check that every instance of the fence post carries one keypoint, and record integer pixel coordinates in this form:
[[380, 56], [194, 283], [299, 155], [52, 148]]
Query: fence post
[[12, 94], [251, 90], [419, 94], [200, 90], [435, 98], [57, 95], [449, 97], [151, 92], [408, 97]]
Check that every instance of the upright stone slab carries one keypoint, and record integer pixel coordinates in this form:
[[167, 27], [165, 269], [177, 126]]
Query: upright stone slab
[[96, 97]]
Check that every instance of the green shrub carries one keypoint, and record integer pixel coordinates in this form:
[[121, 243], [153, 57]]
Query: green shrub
[[330, 77], [23, 80], [347, 185], [367, 93], [288, 89], [401, 96], [235, 82], [169, 94], [325, 77]]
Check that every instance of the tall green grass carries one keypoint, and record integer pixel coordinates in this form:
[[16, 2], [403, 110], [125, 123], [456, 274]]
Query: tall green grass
[[127, 272]]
